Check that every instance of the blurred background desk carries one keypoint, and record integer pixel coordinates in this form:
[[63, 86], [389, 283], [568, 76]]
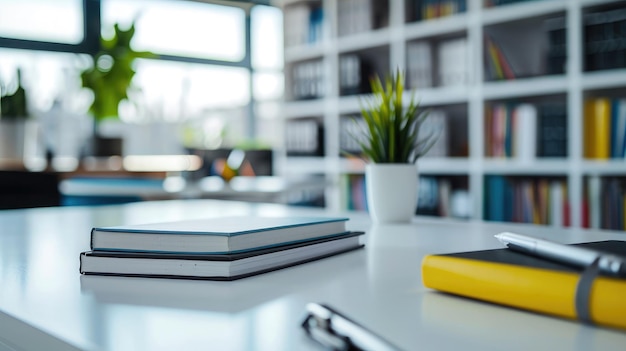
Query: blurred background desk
[[95, 190], [115, 180], [45, 304]]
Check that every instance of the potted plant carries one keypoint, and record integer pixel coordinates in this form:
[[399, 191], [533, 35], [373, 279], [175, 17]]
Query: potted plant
[[391, 144], [19, 134], [109, 80]]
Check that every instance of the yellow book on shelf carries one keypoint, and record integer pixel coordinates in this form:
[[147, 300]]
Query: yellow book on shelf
[[509, 278], [597, 128]]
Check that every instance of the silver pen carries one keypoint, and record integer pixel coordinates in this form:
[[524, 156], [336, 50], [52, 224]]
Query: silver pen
[[337, 332], [576, 256]]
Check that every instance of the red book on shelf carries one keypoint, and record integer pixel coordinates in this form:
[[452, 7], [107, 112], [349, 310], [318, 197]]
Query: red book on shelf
[[585, 214], [567, 220]]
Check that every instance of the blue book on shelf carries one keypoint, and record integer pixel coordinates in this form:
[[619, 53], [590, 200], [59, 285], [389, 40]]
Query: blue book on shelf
[[496, 187], [316, 21], [616, 133], [508, 138]]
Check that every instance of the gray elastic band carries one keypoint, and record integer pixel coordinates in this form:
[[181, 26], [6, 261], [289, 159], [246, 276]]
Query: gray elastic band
[[583, 291]]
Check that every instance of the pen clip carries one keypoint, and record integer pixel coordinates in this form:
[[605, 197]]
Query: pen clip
[[338, 332], [317, 325]]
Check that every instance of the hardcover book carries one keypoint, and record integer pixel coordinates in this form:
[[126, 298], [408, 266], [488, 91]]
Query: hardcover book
[[215, 235], [215, 267], [513, 279]]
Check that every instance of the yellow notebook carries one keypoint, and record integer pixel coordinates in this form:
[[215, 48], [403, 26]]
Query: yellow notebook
[[509, 278], [597, 128]]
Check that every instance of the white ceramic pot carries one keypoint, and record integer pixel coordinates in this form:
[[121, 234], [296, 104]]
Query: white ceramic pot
[[391, 191], [21, 141]]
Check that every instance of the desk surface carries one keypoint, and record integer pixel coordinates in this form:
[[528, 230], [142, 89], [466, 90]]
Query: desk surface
[[46, 304]]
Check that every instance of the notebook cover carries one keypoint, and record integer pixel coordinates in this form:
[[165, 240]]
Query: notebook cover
[[510, 278]]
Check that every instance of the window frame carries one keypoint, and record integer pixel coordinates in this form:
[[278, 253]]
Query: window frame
[[91, 45]]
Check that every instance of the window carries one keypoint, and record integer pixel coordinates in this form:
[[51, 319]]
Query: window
[[47, 76], [180, 28], [202, 78], [267, 38], [175, 91], [268, 82], [58, 21]]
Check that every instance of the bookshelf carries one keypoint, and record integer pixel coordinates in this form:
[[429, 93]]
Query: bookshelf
[[474, 55]]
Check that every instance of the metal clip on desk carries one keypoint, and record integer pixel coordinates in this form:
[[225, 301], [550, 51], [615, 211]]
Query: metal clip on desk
[[338, 332]]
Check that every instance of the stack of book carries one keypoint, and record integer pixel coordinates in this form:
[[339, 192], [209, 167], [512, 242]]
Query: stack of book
[[537, 200], [307, 80], [304, 137], [525, 131], [224, 248]]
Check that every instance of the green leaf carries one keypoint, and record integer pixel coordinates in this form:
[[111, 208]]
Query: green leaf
[[391, 132], [110, 88]]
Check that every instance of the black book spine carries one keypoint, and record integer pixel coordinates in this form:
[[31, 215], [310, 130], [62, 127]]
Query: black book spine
[[552, 131]]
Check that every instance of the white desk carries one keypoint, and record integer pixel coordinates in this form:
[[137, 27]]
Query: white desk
[[45, 304]]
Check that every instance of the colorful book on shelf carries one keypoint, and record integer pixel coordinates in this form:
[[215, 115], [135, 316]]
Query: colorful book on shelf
[[215, 235], [215, 267], [513, 279], [618, 128], [526, 200], [499, 64]]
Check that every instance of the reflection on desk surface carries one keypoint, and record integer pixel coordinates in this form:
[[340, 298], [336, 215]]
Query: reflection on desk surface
[[217, 296]]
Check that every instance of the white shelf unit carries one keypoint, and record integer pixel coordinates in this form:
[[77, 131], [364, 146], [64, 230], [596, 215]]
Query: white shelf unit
[[570, 88]]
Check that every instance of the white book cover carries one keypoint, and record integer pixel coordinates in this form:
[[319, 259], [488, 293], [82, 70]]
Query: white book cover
[[525, 134], [214, 235], [556, 204], [296, 22], [342, 17], [594, 185], [445, 191], [621, 128], [364, 16], [419, 65], [437, 124], [453, 62]]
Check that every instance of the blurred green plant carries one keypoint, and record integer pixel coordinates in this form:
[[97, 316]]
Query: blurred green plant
[[392, 131], [14, 104], [112, 73]]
